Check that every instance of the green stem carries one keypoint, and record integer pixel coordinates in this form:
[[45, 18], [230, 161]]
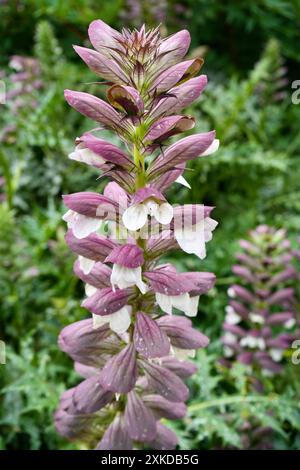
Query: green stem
[[140, 164], [8, 179]]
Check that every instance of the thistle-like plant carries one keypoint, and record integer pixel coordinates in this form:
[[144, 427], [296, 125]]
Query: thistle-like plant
[[132, 353], [261, 322]]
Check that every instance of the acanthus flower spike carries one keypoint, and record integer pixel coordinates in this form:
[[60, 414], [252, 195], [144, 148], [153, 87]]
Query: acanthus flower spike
[[260, 322], [132, 354]]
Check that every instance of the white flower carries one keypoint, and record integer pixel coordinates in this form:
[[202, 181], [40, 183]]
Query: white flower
[[123, 277], [256, 318], [182, 354], [232, 318], [228, 352], [253, 342], [119, 321], [192, 238], [81, 225], [290, 323], [185, 303], [85, 155], [136, 215], [183, 181], [90, 290], [231, 293], [86, 265], [229, 337], [276, 354]]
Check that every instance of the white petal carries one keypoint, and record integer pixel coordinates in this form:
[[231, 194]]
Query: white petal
[[83, 226], [126, 277], [99, 320], [120, 320], [135, 216], [290, 323], [85, 155], [183, 181], [90, 290], [181, 301], [276, 354], [192, 306], [187, 304], [133, 277], [231, 293], [229, 337], [183, 354], [165, 302], [228, 352], [212, 148], [232, 318], [261, 344], [164, 213], [191, 239], [256, 318], [116, 275], [209, 226], [152, 207], [69, 216], [86, 265]]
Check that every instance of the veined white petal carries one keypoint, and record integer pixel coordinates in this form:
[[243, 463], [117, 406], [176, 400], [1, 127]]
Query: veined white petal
[[192, 306], [90, 290], [185, 303], [191, 239], [209, 226], [85, 155], [116, 275], [123, 277], [99, 320], [181, 180], [164, 213], [85, 225], [86, 265], [133, 276], [165, 302], [135, 216], [212, 148], [69, 216], [82, 225], [120, 320]]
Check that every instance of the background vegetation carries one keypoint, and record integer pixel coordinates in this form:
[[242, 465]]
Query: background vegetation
[[252, 57]]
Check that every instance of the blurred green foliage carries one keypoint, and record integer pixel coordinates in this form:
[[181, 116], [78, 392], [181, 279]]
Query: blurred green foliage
[[251, 59]]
